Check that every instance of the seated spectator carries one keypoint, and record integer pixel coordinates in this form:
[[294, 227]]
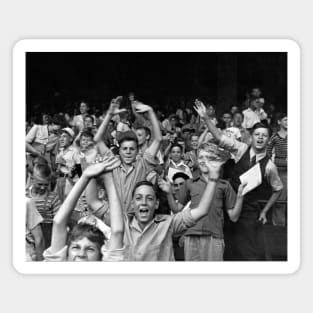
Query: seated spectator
[[46, 201]]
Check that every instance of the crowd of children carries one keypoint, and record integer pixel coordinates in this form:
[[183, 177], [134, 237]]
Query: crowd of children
[[133, 184]]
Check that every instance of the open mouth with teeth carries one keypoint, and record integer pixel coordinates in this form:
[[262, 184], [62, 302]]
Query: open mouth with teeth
[[143, 211]]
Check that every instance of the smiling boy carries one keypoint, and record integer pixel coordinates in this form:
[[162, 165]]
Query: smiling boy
[[148, 237]]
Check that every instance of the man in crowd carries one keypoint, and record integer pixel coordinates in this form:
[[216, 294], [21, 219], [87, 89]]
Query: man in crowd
[[247, 241], [131, 169]]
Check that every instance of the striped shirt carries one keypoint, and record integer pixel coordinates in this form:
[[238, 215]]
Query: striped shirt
[[47, 205], [278, 147]]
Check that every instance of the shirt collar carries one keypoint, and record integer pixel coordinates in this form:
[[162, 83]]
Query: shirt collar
[[258, 157], [177, 165]]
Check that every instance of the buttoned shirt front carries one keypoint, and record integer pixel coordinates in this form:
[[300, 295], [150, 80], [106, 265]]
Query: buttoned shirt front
[[126, 179], [154, 242]]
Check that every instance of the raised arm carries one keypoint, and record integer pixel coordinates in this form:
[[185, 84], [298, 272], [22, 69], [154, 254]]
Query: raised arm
[[166, 187], [116, 214], [113, 110], [202, 111], [156, 131], [60, 221]]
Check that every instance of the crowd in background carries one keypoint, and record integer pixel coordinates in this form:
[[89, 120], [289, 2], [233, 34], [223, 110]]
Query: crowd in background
[[134, 183]]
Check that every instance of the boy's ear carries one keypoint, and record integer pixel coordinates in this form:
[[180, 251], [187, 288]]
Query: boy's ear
[[157, 205]]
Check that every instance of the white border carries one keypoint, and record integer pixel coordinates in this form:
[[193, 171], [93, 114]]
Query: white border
[[156, 45]]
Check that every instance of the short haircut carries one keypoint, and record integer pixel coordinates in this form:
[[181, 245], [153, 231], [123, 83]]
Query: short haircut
[[174, 145], [86, 133], [227, 112], [91, 232], [146, 129], [180, 175], [238, 112], [43, 170], [91, 117], [281, 115], [127, 136], [260, 125], [142, 183]]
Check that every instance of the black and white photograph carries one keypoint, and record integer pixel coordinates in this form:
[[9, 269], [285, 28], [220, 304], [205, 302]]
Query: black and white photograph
[[159, 152]]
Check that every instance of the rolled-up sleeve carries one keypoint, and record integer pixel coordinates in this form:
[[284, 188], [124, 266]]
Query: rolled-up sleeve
[[60, 256], [116, 255], [31, 135], [273, 176], [235, 147], [182, 221]]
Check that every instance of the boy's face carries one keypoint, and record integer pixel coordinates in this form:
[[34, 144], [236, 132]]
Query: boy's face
[[260, 138], [83, 250], [88, 122], [194, 142], [141, 136], [83, 108], [85, 142], [210, 110], [177, 184], [227, 119], [144, 203], [128, 152], [176, 154], [40, 184], [65, 140], [203, 158], [284, 123], [237, 120]]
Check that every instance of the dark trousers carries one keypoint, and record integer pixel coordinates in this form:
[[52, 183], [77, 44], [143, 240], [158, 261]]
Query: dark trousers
[[248, 241]]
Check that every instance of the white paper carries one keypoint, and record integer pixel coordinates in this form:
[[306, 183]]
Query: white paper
[[252, 178]]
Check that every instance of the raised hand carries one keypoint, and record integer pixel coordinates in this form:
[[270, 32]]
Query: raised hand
[[141, 108], [165, 185], [200, 108], [115, 106], [240, 189], [104, 165]]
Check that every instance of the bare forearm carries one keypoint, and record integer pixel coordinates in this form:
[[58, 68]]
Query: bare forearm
[[101, 130], [92, 196], [172, 203], [235, 212], [116, 213], [70, 201], [214, 131], [31, 149], [274, 197]]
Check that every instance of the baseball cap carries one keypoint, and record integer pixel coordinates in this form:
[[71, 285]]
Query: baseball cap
[[69, 131]]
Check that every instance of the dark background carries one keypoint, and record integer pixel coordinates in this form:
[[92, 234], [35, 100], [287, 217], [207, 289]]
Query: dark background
[[57, 82]]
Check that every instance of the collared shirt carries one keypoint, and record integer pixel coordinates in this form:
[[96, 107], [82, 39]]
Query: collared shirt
[[224, 199], [174, 168], [154, 242], [238, 149], [250, 118], [67, 158], [125, 180], [40, 139]]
